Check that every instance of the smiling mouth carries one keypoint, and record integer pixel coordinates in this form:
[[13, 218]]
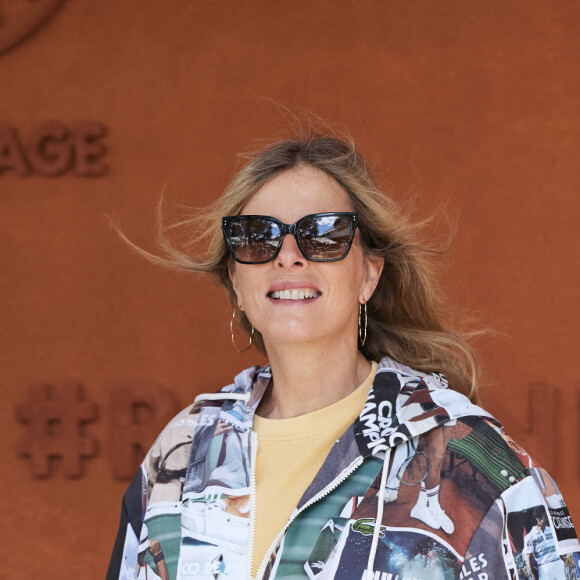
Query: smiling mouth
[[294, 294]]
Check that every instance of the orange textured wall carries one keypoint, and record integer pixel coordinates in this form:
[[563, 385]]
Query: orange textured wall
[[475, 103]]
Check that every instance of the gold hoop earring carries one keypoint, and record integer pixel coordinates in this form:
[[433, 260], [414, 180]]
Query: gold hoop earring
[[362, 329], [232, 333]]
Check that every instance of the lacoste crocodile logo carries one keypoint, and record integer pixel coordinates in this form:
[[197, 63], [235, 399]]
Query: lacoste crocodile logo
[[366, 527], [20, 19]]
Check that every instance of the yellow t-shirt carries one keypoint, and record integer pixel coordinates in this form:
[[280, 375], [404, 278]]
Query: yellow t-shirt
[[290, 453]]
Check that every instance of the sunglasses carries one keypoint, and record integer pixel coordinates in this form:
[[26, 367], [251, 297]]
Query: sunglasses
[[321, 237]]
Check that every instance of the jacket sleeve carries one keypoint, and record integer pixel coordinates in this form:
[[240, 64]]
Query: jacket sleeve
[[500, 546], [150, 513], [123, 564]]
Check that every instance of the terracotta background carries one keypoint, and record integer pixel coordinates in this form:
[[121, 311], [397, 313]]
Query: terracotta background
[[472, 103]]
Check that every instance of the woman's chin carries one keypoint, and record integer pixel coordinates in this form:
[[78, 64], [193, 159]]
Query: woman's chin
[[291, 335]]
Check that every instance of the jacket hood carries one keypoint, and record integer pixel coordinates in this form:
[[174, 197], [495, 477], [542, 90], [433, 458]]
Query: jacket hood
[[404, 403]]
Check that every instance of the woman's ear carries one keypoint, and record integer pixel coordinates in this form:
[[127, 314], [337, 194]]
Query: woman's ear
[[374, 268]]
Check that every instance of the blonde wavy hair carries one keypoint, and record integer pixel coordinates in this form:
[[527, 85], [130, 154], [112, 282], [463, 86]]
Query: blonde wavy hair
[[406, 315]]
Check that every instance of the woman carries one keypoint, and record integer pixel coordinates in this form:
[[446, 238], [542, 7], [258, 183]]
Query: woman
[[347, 456]]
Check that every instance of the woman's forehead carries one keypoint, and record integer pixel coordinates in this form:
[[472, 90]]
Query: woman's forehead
[[299, 192]]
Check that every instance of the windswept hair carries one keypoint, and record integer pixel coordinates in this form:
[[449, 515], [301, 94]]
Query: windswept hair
[[407, 319]]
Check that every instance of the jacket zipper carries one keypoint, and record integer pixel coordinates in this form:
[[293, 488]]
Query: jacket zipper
[[253, 455], [330, 487]]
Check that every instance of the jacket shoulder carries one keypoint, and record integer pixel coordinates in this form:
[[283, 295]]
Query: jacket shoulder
[[169, 454]]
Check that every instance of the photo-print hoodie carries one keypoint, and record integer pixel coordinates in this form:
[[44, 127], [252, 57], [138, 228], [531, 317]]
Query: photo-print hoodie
[[424, 485]]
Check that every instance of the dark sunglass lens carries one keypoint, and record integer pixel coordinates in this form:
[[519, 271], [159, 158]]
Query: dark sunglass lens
[[254, 239], [325, 237]]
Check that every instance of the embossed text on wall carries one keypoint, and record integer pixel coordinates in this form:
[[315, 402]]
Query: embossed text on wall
[[54, 148], [20, 19], [58, 426]]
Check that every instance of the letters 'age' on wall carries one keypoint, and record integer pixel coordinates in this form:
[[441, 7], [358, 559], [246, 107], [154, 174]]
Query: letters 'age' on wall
[[54, 149]]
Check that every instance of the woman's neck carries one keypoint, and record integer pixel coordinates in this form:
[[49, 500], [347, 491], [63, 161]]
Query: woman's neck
[[306, 378]]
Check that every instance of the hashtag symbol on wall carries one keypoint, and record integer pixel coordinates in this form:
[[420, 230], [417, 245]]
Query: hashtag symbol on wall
[[55, 418]]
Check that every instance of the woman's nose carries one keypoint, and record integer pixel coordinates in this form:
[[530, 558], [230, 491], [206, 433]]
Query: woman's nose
[[290, 254]]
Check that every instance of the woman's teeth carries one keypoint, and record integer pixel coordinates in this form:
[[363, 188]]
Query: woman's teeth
[[295, 294]]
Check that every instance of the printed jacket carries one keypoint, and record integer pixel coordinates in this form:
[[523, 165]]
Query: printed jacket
[[424, 485]]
